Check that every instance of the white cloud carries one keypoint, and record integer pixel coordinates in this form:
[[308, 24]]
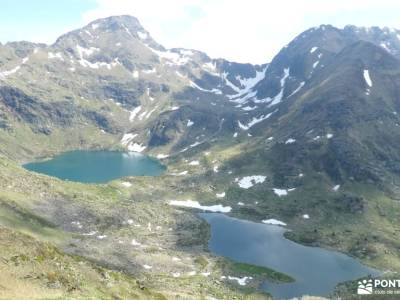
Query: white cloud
[[245, 31]]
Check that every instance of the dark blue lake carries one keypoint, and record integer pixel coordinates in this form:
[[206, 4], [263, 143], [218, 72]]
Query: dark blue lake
[[97, 166], [316, 271]]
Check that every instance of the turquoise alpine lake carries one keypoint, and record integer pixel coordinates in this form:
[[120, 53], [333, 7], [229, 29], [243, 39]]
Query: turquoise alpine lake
[[97, 166], [316, 271]]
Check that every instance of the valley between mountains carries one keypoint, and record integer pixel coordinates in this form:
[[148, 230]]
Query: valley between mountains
[[309, 141]]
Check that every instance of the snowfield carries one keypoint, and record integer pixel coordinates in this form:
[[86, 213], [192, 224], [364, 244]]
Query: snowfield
[[126, 184], [274, 222], [135, 147], [135, 243], [249, 181], [290, 141], [52, 55], [282, 192], [241, 281], [183, 173], [367, 78], [134, 112], [127, 138], [147, 267], [278, 97], [197, 205], [4, 74], [247, 84], [255, 121], [142, 35], [297, 89]]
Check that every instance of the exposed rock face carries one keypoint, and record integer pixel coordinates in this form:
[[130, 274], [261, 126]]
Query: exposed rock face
[[112, 75], [34, 112]]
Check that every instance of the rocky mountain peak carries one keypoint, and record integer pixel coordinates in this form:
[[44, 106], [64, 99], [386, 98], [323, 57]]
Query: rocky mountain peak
[[116, 22], [111, 32], [128, 25]]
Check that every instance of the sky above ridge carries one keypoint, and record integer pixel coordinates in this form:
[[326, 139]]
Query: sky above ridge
[[243, 31]]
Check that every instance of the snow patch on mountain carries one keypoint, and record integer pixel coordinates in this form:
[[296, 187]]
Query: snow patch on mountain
[[241, 281], [183, 173], [297, 89], [147, 267], [244, 92], [273, 222], [386, 45], [151, 112], [135, 243], [245, 98], [142, 35], [126, 184], [367, 78], [5, 74], [249, 181], [214, 91], [142, 115], [186, 52], [150, 71], [173, 58], [282, 192], [135, 147], [290, 141], [194, 163], [86, 51], [133, 113], [197, 205], [211, 67], [127, 30], [368, 81], [249, 83], [255, 121], [57, 55], [127, 138], [249, 108], [278, 97]]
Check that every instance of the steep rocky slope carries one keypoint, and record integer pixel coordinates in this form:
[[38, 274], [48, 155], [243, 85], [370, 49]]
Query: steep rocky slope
[[111, 78]]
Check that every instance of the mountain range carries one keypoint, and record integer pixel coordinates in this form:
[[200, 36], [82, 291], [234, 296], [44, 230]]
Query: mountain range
[[321, 122]]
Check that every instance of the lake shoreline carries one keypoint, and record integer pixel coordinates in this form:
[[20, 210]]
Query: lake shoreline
[[97, 166], [272, 237]]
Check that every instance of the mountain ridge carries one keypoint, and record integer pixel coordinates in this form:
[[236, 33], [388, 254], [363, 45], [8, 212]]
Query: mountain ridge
[[319, 123]]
